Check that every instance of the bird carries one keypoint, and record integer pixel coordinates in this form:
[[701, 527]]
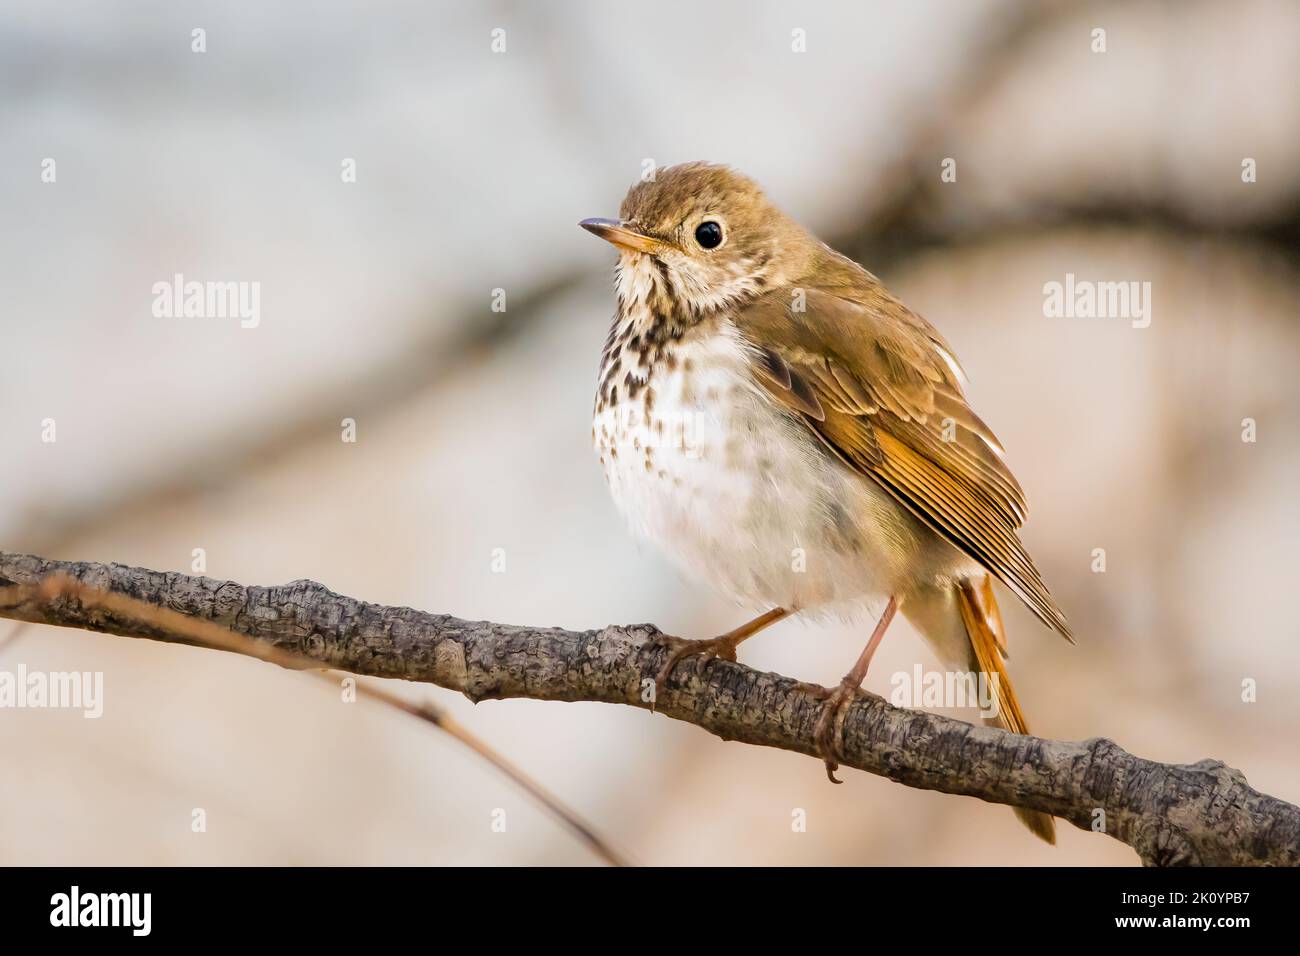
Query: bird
[[788, 431]]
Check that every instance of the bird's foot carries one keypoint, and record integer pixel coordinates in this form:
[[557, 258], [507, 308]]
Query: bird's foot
[[829, 732], [723, 647]]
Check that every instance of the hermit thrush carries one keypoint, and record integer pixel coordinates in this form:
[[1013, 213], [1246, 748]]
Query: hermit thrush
[[790, 432]]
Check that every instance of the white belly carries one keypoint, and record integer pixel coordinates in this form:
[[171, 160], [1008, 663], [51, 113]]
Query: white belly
[[743, 496]]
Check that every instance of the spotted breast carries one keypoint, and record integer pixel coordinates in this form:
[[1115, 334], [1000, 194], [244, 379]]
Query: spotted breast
[[701, 461]]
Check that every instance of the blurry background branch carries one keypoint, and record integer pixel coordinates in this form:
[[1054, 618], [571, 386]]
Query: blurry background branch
[[1171, 814], [905, 215]]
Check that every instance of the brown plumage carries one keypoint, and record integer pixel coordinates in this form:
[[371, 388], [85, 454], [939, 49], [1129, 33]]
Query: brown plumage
[[869, 377], [828, 419]]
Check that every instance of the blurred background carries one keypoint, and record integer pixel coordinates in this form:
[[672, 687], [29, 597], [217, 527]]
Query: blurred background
[[473, 426]]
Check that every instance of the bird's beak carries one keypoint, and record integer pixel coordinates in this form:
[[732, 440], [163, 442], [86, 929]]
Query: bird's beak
[[618, 233]]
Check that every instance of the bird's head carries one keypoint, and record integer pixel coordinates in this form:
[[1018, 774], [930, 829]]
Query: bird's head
[[703, 236]]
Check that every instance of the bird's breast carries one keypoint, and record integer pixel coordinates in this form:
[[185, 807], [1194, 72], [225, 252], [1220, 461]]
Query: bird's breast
[[700, 460], [670, 422]]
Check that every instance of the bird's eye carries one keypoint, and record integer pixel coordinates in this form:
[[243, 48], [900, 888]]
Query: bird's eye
[[708, 235]]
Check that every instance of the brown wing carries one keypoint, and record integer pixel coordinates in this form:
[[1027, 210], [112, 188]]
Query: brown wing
[[880, 387]]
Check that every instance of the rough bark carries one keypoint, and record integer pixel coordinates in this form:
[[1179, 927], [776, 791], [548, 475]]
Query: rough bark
[[1171, 814]]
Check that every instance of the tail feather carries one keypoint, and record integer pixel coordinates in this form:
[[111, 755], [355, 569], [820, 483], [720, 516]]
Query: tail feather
[[983, 620]]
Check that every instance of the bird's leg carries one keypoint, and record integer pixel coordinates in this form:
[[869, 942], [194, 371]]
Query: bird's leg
[[723, 646], [829, 733]]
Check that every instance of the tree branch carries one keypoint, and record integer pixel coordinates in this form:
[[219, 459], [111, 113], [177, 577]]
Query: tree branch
[[1171, 814]]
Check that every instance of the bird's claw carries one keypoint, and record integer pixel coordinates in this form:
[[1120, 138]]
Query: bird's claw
[[723, 648], [829, 732]]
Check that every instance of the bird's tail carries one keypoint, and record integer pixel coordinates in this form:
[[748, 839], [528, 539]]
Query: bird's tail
[[983, 621]]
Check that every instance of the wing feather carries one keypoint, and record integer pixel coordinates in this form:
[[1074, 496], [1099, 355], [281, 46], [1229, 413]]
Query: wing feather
[[880, 387]]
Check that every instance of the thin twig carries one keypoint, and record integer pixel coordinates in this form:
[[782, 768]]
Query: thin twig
[[207, 634]]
